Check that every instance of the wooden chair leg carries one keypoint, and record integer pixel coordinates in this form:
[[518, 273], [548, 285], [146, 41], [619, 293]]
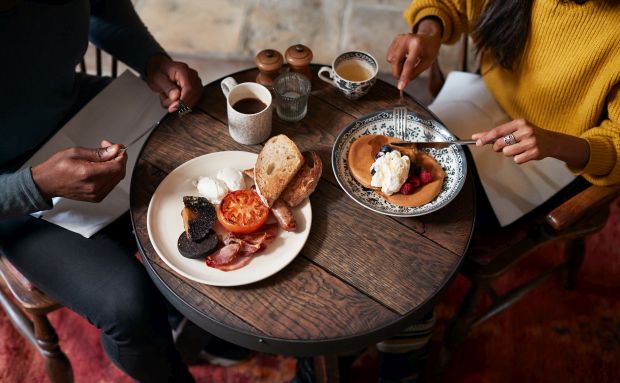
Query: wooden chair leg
[[459, 326], [39, 332], [326, 369], [574, 253], [57, 364]]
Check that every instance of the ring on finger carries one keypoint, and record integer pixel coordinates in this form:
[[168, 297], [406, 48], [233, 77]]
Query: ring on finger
[[510, 140]]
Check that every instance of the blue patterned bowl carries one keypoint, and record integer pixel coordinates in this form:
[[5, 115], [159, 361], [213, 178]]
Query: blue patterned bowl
[[419, 128]]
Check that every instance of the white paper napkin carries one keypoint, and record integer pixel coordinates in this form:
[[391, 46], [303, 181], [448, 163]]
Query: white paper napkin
[[466, 106], [123, 111]]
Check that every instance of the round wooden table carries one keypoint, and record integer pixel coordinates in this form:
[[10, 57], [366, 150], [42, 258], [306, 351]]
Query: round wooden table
[[361, 276]]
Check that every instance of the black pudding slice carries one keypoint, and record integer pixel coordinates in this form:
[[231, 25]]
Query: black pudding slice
[[196, 250], [198, 217]]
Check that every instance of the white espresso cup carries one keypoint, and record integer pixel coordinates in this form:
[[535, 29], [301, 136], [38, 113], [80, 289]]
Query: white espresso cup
[[249, 107], [352, 73]]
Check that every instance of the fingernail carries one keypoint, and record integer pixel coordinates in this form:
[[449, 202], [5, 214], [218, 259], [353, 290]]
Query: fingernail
[[401, 85], [479, 143]]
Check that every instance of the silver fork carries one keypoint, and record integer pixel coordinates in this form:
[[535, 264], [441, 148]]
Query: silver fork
[[400, 118], [183, 109]]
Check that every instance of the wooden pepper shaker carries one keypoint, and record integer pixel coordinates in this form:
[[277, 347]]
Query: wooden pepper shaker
[[298, 58], [269, 63]]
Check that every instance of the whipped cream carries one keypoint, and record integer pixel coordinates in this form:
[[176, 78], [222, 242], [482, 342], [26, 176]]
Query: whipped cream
[[233, 178], [212, 189], [390, 172]]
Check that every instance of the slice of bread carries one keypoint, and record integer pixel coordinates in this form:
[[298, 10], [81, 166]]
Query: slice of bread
[[276, 166], [305, 180]]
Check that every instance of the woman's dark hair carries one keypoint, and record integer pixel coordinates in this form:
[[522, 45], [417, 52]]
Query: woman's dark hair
[[503, 27]]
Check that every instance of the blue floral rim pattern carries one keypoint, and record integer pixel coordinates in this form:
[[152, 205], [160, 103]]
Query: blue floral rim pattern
[[451, 159]]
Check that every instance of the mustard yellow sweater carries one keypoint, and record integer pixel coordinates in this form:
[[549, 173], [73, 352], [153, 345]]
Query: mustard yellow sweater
[[568, 79]]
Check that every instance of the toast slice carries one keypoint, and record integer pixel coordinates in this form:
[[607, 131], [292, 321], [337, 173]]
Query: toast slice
[[276, 166], [305, 181]]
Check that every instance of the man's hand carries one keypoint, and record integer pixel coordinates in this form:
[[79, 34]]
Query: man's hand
[[412, 53], [81, 174], [173, 81], [534, 143]]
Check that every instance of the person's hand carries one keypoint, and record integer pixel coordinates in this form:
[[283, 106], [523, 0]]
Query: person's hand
[[412, 53], [81, 174], [524, 141], [173, 81]]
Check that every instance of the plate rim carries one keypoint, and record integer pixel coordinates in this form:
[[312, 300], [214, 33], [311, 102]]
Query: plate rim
[[351, 126], [190, 277]]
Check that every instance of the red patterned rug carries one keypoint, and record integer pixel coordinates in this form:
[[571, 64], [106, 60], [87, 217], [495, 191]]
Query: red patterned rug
[[552, 335], [80, 341]]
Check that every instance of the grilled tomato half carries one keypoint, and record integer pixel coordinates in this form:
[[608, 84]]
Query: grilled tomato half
[[242, 212]]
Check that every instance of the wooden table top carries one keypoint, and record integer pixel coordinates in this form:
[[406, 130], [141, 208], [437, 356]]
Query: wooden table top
[[361, 276]]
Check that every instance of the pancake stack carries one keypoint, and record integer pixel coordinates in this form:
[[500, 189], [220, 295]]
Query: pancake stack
[[362, 155]]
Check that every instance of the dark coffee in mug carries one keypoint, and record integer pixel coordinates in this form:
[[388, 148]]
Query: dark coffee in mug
[[249, 105]]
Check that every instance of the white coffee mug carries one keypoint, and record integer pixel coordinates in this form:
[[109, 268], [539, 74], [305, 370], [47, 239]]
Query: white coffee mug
[[247, 128]]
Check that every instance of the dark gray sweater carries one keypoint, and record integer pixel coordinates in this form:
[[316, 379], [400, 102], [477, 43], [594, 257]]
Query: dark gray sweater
[[41, 44]]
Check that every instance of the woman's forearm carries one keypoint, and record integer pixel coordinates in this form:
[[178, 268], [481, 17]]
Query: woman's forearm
[[533, 143], [19, 195], [575, 151], [431, 26]]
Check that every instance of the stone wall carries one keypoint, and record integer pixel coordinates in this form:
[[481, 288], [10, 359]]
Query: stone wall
[[238, 29]]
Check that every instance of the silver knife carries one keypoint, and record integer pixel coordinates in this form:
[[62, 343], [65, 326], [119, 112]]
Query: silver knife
[[433, 144]]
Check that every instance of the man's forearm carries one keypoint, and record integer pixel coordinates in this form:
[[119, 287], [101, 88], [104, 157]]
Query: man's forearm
[[116, 28], [19, 195]]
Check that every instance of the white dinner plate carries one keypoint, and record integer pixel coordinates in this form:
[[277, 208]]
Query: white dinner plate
[[164, 224]]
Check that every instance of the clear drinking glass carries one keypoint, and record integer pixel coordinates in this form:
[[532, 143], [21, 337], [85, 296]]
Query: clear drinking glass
[[292, 91]]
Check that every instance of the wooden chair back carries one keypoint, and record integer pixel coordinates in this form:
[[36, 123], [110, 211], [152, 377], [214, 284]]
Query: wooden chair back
[[99, 63]]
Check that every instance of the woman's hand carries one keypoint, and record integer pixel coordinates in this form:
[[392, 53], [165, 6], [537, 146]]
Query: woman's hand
[[412, 53], [534, 143], [173, 81], [81, 174]]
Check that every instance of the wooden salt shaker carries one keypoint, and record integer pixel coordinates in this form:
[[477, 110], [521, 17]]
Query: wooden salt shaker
[[269, 63], [298, 58]]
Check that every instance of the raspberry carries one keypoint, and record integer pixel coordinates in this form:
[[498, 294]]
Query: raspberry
[[407, 188], [414, 180], [425, 177]]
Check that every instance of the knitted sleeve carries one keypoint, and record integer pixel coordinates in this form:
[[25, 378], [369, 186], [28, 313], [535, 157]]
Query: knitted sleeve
[[457, 16], [603, 167]]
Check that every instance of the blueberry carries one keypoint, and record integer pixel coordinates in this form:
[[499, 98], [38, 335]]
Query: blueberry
[[415, 169]]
